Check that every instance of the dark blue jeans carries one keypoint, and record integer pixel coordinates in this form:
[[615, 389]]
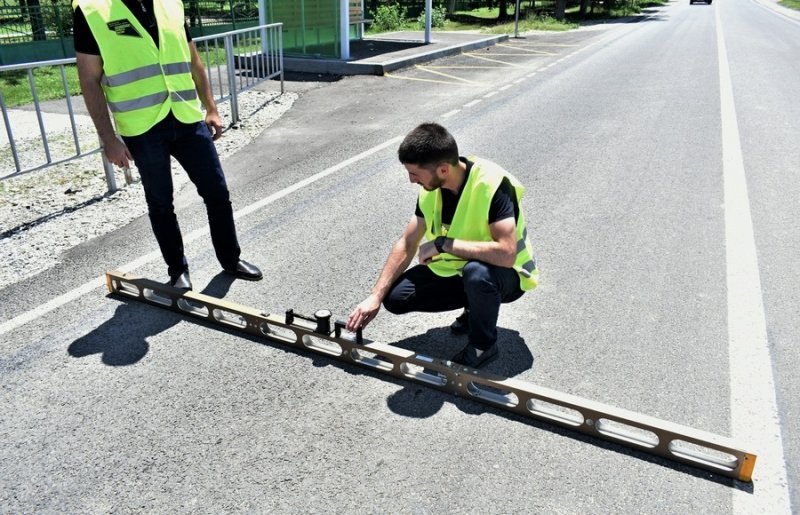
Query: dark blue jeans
[[481, 288], [192, 146]]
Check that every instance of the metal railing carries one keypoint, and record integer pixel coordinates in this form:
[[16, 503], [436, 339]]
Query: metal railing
[[235, 61], [23, 22]]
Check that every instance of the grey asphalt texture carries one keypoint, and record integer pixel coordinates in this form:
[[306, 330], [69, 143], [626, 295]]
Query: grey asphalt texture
[[111, 406]]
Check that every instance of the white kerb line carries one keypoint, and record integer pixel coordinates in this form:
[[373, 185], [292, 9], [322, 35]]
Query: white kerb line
[[52, 304], [754, 412]]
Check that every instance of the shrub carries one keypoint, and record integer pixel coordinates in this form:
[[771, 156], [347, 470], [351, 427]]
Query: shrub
[[389, 17], [438, 17]]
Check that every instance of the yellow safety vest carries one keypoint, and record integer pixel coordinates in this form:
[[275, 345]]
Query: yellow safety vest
[[143, 81], [470, 221]]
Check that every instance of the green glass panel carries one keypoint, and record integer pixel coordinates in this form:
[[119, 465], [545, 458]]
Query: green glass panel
[[310, 27]]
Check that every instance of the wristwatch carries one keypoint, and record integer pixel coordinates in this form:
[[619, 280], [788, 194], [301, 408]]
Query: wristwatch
[[439, 243]]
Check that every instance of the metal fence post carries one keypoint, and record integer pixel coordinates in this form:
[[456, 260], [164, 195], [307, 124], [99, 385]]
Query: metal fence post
[[11, 141], [231, 78], [237, 83], [280, 51], [111, 179]]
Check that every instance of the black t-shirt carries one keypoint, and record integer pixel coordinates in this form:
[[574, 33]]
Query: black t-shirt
[[85, 42], [504, 203]]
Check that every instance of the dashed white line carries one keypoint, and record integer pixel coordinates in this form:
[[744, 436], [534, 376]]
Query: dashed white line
[[450, 113], [476, 101], [490, 94], [506, 87]]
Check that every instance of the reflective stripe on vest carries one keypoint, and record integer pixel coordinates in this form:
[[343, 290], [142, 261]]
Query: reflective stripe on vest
[[469, 221], [145, 72], [143, 81], [155, 99]]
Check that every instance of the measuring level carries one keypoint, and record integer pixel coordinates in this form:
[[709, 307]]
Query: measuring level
[[647, 434]]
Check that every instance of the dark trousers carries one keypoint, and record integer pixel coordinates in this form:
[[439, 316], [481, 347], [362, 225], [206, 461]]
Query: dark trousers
[[192, 146], [481, 288]]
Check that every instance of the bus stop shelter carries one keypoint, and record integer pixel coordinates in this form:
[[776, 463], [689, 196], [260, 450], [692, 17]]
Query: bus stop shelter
[[323, 28]]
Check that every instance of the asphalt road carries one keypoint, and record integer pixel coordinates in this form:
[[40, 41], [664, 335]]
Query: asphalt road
[[624, 137]]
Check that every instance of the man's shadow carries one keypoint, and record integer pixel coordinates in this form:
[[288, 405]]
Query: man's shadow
[[419, 401], [122, 340]]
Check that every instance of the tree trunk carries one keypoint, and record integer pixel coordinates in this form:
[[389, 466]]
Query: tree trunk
[[451, 6], [561, 9], [193, 12], [503, 16], [34, 10], [584, 7]]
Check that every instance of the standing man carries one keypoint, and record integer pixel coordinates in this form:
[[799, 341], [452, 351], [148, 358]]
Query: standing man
[[477, 255], [137, 57]]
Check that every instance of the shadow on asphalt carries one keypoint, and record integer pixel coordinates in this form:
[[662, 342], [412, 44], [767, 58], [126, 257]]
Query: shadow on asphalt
[[309, 77], [413, 401], [514, 358], [119, 352]]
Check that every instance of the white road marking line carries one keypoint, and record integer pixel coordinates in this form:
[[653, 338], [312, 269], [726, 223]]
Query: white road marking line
[[450, 113], [75, 293], [476, 101], [490, 94], [754, 411], [506, 87]]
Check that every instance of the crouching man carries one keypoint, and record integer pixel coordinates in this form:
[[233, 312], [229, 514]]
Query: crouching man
[[477, 255]]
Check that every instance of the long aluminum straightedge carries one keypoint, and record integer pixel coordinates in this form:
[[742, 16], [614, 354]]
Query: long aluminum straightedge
[[683, 444]]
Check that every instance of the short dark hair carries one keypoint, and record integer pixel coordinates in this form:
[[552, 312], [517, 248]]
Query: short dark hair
[[427, 146]]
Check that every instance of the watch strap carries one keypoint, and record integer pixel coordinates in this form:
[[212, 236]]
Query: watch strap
[[439, 242]]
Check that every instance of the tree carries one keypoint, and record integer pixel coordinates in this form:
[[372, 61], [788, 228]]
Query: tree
[[561, 9], [503, 15]]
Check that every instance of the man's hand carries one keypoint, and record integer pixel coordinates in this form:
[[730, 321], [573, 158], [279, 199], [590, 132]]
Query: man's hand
[[214, 125], [364, 313], [203, 87], [117, 152], [427, 251]]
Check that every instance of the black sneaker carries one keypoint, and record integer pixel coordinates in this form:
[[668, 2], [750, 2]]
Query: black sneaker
[[461, 324], [469, 357]]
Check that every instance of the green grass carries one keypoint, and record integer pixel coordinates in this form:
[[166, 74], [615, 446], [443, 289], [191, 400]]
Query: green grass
[[791, 4], [532, 23], [17, 91], [486, 13], [623, 10], [485, 20]]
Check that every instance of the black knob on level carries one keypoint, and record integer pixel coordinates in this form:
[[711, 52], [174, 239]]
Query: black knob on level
[[323, 318]]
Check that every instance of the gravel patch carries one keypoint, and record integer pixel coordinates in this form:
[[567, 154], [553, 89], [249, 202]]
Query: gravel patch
[[47, 212]]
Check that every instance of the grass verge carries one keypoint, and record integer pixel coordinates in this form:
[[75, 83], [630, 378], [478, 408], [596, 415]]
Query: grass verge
[[17, 90]]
